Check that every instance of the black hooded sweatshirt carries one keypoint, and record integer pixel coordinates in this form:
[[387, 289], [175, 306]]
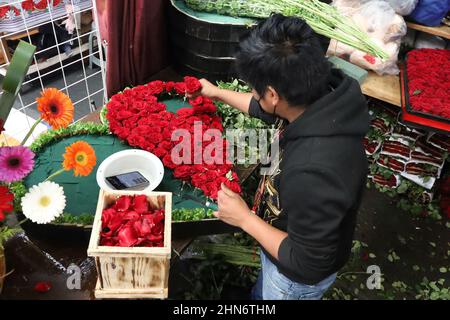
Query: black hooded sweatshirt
[[323, 172]]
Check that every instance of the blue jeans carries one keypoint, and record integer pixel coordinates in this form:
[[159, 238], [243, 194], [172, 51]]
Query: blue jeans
[[272, 285]]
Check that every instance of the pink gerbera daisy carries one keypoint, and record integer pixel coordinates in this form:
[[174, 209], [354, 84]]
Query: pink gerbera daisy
[[15, 163]]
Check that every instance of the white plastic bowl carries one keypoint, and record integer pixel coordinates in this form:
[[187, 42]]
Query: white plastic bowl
[[127, 161]]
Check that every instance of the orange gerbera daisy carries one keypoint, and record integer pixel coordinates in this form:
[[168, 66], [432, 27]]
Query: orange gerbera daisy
[[56, 108], [80, 157]]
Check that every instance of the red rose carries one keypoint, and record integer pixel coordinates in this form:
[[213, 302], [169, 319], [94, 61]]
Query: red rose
[[157, 107], [167, 134], [192, 84], [166, 115], [160, 152], [121, 132], [180, 88], [182, 172], [136, 140], [149, 147], [170, 85], [167, 145], [216, 125], [197, 101], [155, 138], [156, 87], [6, 200], [167, 161], [185, 112], [124, 114]]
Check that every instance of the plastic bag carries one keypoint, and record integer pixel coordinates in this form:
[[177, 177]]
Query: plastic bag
[[430, 12], [380, 21], [382, 67], [385, 27], [403, 7]]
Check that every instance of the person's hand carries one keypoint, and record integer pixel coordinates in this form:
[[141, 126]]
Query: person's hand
[[232, 208], [208, 90]]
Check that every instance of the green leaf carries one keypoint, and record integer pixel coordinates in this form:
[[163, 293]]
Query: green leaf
[[371, 255], [443, 270], [416, 268], [434, 296], [433, 286], [416, 92]]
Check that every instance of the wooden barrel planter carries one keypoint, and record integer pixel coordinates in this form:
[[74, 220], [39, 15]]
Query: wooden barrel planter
[[203, 44]]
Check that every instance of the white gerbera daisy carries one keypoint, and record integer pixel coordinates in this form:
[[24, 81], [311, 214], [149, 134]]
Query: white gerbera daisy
[[44, 202]]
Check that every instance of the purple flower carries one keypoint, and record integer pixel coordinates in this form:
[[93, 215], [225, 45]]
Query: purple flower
[[15, 163]]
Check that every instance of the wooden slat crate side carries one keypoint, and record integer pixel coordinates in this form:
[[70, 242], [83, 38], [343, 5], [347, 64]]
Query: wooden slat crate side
[[150, 293], [134, 273]]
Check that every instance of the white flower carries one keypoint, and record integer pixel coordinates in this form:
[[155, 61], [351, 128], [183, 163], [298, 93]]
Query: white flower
[[44, 202], [10, 15]]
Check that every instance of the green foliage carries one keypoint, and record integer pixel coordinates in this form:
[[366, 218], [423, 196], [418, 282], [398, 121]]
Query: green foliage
[[67, 218], [433, 290], [7, 233], [19, 190], [233, 118], [240, 122], [179, 215], [78, 128]]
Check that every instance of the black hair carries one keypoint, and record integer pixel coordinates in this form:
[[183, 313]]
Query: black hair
[[285, 53]]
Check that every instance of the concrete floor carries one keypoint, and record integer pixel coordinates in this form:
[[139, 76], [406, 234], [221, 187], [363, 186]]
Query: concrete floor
[[381, 225]]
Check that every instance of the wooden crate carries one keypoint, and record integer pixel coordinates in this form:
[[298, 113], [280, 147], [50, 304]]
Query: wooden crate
[[132, 272]]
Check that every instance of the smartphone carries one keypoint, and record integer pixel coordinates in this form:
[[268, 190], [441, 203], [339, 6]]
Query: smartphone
[[128, 181]]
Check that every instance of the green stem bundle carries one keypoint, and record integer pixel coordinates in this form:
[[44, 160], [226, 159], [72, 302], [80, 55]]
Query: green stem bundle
[[237, 255]]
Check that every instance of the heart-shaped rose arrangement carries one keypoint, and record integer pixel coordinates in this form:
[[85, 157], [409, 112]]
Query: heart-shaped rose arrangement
[[136, 116]]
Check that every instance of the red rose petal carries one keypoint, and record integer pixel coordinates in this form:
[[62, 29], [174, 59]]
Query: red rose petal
[[123, 203], [42, 287], [140, 204], [127, 237]]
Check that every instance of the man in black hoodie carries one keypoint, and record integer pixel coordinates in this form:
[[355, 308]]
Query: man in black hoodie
[[306, 208]]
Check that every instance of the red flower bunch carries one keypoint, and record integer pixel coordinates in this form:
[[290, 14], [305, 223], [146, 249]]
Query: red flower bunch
[[429, 82], [28, 5], [137, 117], [130, 222], [6, 202]]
